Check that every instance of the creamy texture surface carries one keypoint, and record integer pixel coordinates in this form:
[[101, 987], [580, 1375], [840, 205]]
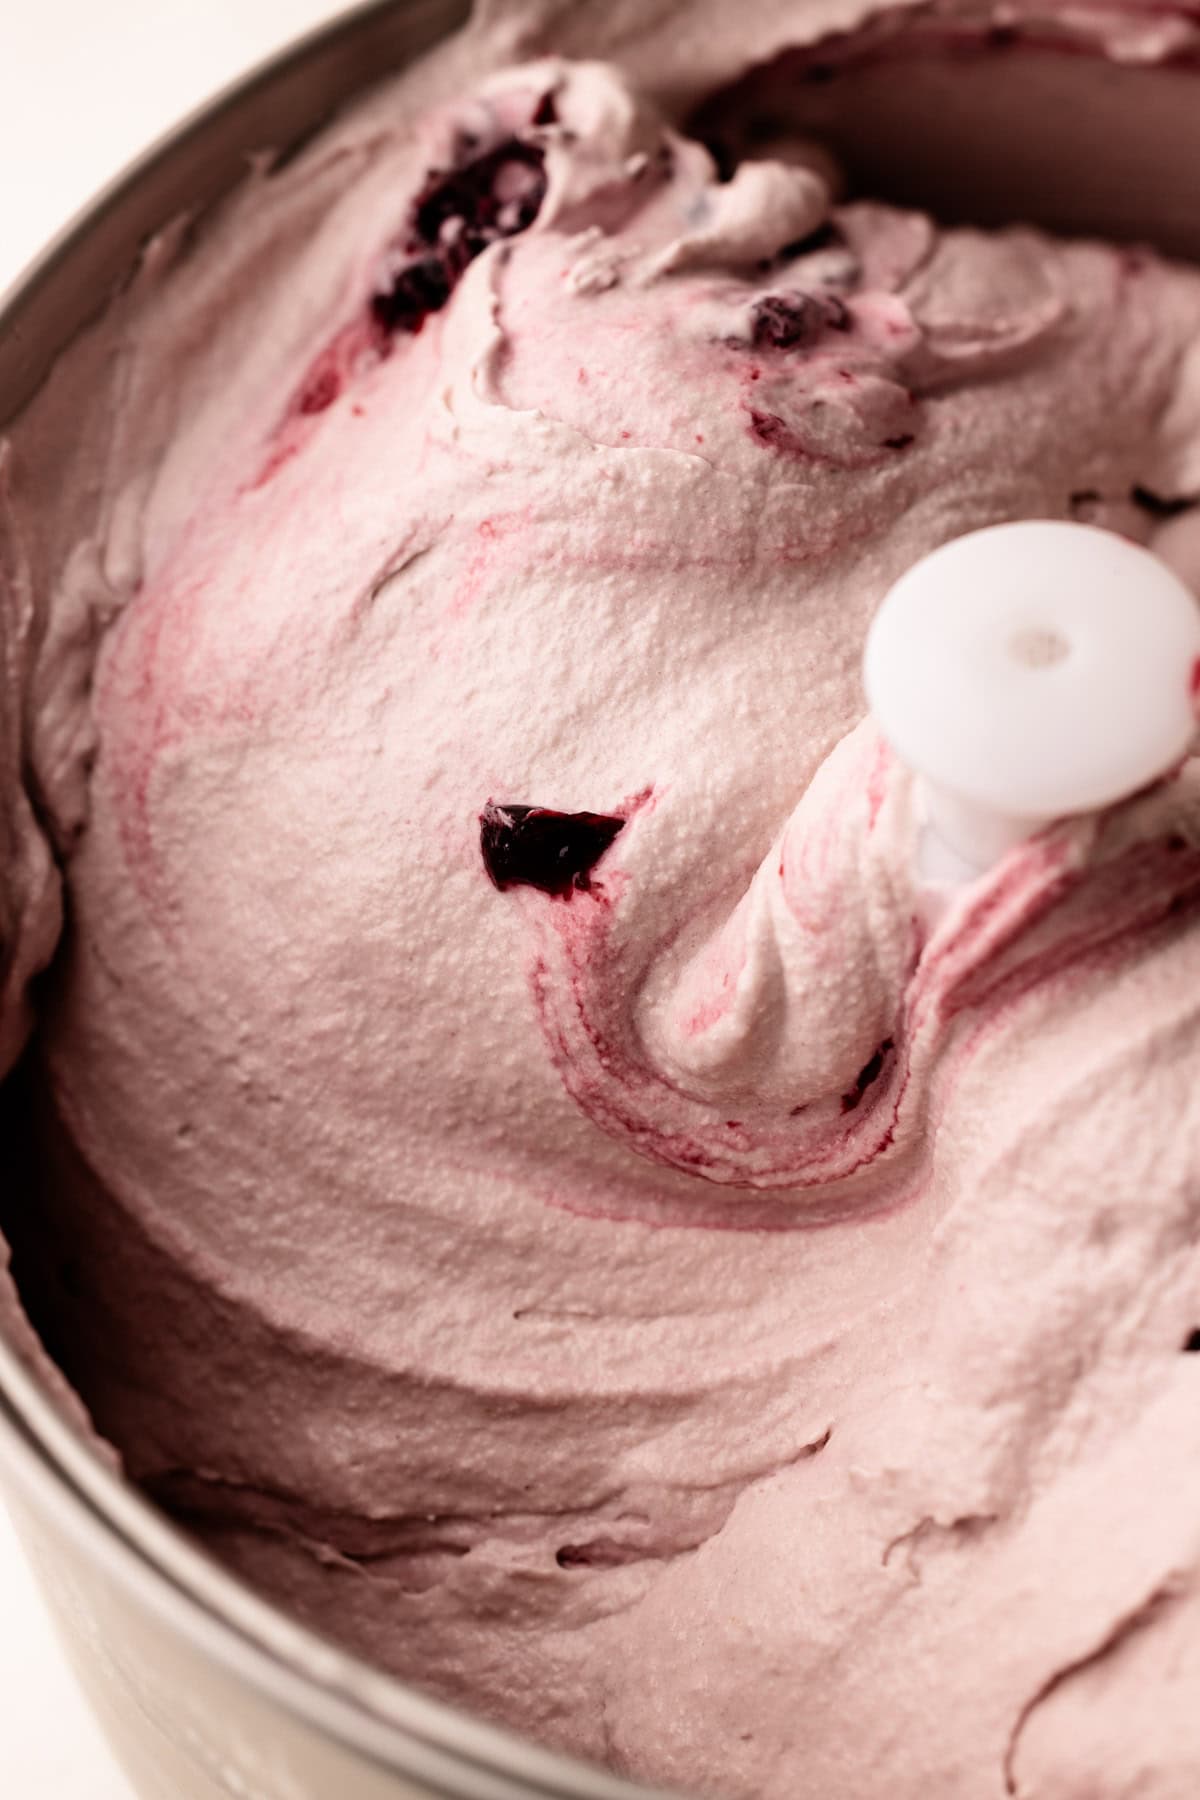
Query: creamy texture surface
[[698, 1318]]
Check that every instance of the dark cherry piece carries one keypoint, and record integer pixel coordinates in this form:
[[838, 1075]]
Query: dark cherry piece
[[781, 321], [420, 288], [1192, 1342], [867, 1076], [490, 195], [530, 846], [494, 195], [1159, 506]]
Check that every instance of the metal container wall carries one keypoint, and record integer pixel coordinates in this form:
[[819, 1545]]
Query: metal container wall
[[204, 1690]]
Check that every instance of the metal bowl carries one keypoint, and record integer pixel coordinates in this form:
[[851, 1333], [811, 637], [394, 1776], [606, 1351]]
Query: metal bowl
[[204, 1689]]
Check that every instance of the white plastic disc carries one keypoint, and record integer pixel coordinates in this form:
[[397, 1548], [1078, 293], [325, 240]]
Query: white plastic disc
[[1034, 670]]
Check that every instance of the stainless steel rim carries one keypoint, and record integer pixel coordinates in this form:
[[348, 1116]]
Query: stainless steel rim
[[376, 1718], [276, 105], [380, 1720]]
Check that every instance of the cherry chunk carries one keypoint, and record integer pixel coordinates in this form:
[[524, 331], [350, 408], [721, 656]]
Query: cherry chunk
[[531, 846]]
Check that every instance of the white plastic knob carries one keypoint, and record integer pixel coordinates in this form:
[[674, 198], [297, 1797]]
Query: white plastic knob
[[1027, 672]]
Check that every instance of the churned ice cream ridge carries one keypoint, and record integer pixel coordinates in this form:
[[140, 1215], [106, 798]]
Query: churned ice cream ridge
[[506, 1163]]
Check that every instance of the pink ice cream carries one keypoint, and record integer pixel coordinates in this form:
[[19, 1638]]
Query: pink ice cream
[[507, 1165]]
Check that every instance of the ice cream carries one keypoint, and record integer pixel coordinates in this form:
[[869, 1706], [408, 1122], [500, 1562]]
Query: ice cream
[[505, 1162]]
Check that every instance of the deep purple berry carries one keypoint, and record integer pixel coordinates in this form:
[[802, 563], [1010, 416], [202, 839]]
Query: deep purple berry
[[867, 1076], [420, 288], [479, 192], [457, 213], [1159, 506], [783, 321], [530, 846]]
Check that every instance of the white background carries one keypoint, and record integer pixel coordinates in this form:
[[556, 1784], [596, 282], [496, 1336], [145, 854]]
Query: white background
[[86, 85]]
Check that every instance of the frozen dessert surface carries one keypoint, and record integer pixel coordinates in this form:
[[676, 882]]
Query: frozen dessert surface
[[508, 1165]]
